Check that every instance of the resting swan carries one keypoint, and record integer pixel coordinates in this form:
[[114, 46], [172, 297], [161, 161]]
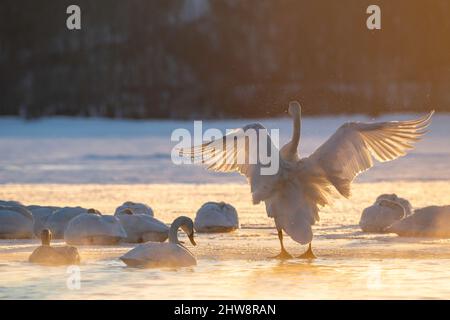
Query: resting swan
[[142, 227], [171, 254], [57, 222], [16, 222], [137, 208], [47, 255], [92, 228], [295, 192], [433, 221], [386, 210], [216, 217]]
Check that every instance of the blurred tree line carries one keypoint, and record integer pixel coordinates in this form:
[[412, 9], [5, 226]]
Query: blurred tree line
[[222, 58]]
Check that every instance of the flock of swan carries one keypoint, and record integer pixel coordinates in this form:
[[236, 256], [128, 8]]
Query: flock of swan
[[131, 223], [292, 198]]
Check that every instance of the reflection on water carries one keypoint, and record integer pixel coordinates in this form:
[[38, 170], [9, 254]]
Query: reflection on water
[[351, 264], [212, 279]]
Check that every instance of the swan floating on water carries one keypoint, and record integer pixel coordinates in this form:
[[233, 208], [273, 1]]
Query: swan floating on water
[[93, 228], [142, 227], [293, 195], [48, 255], [58, 221], [216, 217], [387, 209], [433, 221], [168, 254], [16, 222], [137, 208]]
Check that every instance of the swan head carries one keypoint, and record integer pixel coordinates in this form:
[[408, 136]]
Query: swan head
[[392, 197], [127, 211], [94, 211], [186, 225], [394, 206], [191, 238], [46, 237], [294, 109], [289, 151]]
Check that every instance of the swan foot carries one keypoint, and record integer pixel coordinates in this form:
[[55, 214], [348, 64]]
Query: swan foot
[[283, 255], [308, 254]]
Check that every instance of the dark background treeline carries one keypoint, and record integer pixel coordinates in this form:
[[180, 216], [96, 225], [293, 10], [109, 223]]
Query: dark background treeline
[[222, 58]]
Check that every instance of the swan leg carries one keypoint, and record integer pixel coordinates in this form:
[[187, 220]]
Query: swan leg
[[308, 254], [283, 254]]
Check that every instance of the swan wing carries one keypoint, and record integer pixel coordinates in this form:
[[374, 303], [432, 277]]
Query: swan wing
[[236, 151], [351, 149]]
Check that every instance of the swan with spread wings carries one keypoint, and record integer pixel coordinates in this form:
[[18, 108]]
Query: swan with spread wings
[[294, 194]]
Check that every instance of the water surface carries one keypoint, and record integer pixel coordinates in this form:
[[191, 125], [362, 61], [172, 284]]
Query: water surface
[[350, 264]]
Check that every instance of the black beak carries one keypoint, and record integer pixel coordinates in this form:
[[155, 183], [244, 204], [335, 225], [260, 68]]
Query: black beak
[[191, 237]]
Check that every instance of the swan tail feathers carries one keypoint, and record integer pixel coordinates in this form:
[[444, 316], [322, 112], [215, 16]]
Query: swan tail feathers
[[300, 231]]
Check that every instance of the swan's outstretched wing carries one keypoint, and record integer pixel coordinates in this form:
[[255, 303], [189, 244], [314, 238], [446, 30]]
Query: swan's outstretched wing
[[350, 149], [235, 152]]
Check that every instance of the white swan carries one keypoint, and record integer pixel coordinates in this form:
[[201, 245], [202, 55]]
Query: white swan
[[48, 255], [380, 215], [294, 194], [142, 227], [16, 222], [40, 215], [137, 208], [57, 222], [433, 221], [92, 228], [171, 254], [216, 217]]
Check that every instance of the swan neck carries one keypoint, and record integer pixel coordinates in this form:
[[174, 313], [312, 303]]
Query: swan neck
[[296, 133], [173, 231]]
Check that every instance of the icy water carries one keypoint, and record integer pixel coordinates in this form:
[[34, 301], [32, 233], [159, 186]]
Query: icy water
[[350, 264], [102, 163]]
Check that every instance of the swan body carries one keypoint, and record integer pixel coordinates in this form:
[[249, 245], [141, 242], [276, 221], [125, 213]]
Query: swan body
[[137, 208], [48, 255], [40, 215], [142, 227], [168, 254], [216, 217], [11, 203], [92, 228], [16, 222], [433, 221], [58, 221], [301, 185], [382, 214]]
